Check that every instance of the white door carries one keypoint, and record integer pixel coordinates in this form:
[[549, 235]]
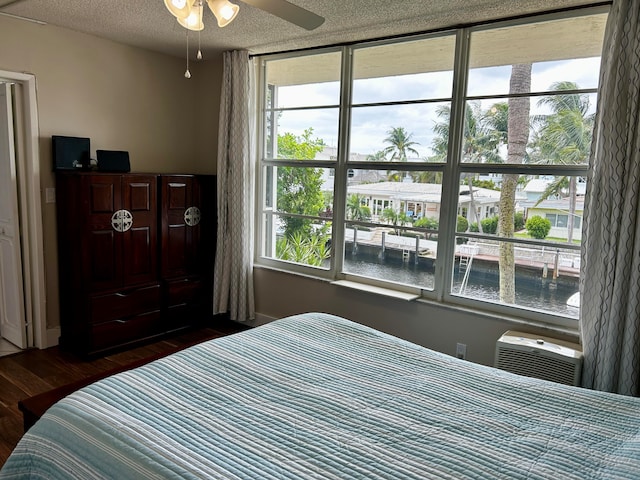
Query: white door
[[12, 317]]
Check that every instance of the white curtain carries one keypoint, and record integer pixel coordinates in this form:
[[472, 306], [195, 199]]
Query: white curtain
[[610, 305], [233, 281]]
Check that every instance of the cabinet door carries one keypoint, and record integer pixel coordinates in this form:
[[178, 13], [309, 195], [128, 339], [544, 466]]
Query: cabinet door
[[102, 246], [139, 196], [178, 218]]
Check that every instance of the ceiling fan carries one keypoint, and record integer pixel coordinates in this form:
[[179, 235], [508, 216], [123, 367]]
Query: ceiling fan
[[189, 12], [189, 15], [289, 12]]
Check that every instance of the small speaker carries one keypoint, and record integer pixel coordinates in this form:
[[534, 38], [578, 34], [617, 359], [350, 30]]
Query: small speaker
[[113, 161], [70, 153]]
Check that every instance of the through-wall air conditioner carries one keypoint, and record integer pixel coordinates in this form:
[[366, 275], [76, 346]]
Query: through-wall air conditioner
[[539, 357]]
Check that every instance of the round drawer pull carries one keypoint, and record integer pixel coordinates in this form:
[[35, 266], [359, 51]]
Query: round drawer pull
[[192, 216], [122, 220]]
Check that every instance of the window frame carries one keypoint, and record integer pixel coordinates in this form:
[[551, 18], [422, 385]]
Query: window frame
[[451, 170]]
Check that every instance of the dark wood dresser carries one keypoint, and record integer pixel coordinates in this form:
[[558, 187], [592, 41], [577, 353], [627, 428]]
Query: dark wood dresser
[[135, 256]]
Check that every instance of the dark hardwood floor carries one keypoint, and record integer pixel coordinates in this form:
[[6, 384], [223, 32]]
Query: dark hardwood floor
[[32, 372]]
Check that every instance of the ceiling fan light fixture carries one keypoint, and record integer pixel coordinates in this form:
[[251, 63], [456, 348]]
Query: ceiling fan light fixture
[[179, 8], [193, 21], [224, 11]]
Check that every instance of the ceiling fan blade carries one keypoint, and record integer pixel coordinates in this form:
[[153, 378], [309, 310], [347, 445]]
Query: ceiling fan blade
[[289, 12]]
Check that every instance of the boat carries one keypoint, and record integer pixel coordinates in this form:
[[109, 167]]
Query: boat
[[574, 300]]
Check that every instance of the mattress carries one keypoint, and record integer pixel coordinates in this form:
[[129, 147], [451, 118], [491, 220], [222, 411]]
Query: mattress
[[315, 396]]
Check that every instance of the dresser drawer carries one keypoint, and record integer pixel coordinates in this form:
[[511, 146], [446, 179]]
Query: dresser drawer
[[119, 305], [118, 332], [186, 291]]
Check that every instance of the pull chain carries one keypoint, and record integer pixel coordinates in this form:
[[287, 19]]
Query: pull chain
[[187, 74], [199, 55]]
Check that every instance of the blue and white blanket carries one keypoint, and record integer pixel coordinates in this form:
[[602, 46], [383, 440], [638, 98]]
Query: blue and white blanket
[[315, 396]]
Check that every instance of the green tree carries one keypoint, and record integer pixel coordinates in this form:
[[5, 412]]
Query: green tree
[[498, 119], [400, 144], [395, 176], [299, 188], [356, 208], [481, 139], [431, 224], [379, 156], [564, 137], [440, 143], [538, 227], [395, 218], [301, 147], [481, 142], [488, 184], [427, 222], [427, 176]]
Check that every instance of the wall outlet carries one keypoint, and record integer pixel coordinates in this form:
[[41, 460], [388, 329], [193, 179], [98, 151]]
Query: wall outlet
[[461, 350]]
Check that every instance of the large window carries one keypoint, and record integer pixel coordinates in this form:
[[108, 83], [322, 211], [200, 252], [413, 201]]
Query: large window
[[448, 165]]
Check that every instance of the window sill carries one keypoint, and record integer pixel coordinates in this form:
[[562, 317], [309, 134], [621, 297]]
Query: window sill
[[377, 290]]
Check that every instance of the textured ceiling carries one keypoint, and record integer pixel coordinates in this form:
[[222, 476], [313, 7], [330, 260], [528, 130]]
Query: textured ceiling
[[147, 24]]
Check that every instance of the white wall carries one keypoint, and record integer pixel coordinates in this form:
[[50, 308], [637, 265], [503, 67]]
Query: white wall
[[122, 98], [438, 327]]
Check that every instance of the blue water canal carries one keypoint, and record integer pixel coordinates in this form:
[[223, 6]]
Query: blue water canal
[[532, 291]]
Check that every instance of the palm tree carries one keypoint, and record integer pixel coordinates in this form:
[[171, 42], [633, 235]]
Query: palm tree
[[564, 137], [356, 209], [481, 139], [399, 144], [440, 144], [481, 142], [395, 175], [379, 156], [484, 133], [395, 218], [498, 119], [427, 176], [517, 136]]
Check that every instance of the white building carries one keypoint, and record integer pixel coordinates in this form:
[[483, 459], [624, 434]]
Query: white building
[[424, 199]]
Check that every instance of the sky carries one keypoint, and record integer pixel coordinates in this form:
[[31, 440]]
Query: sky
[[369, 125]]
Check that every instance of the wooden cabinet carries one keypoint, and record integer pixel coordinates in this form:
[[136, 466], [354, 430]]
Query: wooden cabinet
[[131, 258], [187, 244]]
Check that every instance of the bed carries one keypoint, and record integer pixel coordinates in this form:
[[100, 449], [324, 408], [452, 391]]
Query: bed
[[315, 396]]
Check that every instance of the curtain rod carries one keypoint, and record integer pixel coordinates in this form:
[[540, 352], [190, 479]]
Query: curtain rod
[[436, 30]]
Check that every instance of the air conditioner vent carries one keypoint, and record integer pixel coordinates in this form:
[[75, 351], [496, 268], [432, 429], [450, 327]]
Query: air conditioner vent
[[539, 357]]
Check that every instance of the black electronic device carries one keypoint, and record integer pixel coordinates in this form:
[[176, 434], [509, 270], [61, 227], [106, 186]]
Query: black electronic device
[[70, 153], [113, 161]]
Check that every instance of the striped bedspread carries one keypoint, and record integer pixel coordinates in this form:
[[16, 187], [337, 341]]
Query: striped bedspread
[[315, 396]]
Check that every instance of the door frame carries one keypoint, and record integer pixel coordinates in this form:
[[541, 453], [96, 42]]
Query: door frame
[[30, 206]]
